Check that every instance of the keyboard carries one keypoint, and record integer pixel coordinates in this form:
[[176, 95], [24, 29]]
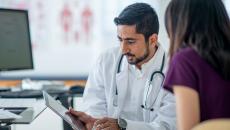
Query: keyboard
[[22, 94], [29, 93], [16, 110]]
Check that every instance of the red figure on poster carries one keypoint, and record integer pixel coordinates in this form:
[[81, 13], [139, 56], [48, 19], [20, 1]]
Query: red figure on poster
[[66, 21], [87, 22]]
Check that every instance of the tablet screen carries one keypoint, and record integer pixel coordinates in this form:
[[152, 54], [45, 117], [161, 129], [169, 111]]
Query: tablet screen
[[61, 111]]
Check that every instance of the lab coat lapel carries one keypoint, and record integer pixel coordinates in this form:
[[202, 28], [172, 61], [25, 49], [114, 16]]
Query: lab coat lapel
[[122, 85]]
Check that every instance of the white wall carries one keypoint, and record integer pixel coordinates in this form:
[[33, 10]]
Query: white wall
[[163, 37], [72, 54], [57, 53]]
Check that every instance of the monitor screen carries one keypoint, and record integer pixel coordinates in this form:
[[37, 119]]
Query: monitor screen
[[15, 42]]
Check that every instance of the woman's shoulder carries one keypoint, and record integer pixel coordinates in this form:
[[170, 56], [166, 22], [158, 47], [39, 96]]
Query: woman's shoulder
[[185, 53], [186, 56]]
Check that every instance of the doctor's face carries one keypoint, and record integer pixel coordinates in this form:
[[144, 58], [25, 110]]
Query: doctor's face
[[134, 46]]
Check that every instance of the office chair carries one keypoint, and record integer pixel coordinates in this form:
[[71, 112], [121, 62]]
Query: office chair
[[214, 124]]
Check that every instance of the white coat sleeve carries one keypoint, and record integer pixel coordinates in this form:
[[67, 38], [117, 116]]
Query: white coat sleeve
[[94, 99], [165, 120]]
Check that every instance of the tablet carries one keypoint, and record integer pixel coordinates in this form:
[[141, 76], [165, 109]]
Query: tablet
[[60, 110]]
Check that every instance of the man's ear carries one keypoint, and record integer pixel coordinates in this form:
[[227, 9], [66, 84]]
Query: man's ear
[[153, 39]]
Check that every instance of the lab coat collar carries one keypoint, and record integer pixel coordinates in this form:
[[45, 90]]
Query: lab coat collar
[[122, 85]]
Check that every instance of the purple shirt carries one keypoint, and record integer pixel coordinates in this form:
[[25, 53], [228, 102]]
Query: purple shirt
[[187, 68]]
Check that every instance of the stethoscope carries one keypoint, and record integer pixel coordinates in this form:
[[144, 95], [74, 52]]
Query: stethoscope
[[149, 86]]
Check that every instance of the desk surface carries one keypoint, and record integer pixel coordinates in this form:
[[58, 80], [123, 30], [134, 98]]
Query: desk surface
[[68, 83], [30, 109]]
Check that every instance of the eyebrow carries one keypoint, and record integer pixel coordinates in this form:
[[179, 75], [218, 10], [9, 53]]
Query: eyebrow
[[126, 38]]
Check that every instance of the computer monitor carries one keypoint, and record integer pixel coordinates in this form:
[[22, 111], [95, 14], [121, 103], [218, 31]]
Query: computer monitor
[[15, 42]]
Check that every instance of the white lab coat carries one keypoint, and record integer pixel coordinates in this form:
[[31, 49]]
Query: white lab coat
[[100, 92]]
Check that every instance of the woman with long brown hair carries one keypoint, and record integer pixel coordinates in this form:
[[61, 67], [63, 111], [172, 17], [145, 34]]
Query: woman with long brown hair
[[199, 70]]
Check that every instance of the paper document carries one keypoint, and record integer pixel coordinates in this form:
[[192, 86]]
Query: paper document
[[6, 115]]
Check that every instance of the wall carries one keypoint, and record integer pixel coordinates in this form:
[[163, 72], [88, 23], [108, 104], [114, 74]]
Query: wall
[[68, 35]]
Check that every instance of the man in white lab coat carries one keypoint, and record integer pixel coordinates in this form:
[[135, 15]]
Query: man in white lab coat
[[124, 90]]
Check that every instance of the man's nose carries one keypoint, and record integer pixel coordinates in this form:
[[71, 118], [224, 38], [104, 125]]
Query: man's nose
[[124, 48]]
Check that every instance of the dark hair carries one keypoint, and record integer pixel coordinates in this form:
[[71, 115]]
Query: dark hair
[[203, 25], [143, 16]]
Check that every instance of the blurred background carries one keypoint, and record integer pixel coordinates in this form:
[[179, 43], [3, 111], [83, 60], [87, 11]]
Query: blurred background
[[68, 35]]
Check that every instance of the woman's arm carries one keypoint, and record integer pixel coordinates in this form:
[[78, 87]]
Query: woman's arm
[[187, 107]]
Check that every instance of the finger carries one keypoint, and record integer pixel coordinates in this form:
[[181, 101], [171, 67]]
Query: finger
[[101, 121], [89, 126], [76, 113], [85, 118], [102, 127], [110, 119], [107, 129], [81, 115], [105, 125], [69, 110]]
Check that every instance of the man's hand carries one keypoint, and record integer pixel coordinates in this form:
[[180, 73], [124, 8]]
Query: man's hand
[[106, 124], [87, 119]]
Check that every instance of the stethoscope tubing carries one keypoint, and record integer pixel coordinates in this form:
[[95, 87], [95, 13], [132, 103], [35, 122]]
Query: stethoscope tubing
[[151, 79]]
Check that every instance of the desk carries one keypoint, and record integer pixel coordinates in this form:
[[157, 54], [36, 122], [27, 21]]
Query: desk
[[29, 112], [68, 83], [64, 99]]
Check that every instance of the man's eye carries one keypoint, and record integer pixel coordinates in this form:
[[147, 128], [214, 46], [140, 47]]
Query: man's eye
[[131, 41]]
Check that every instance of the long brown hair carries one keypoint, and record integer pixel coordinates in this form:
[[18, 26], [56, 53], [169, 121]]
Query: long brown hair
[[203, 25]]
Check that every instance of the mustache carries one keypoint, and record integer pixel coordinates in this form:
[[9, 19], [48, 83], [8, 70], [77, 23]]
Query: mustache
[[128, 54]]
